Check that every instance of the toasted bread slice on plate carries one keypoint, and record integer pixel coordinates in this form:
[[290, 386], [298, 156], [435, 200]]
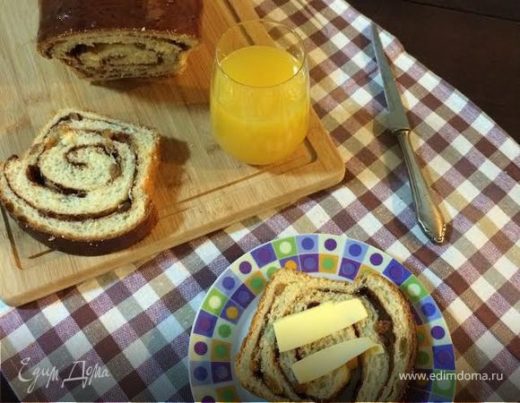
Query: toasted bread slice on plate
[[266, 372]]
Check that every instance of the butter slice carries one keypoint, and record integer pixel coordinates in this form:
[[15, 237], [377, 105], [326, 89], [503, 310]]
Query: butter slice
[[327, 360], [312, 324]]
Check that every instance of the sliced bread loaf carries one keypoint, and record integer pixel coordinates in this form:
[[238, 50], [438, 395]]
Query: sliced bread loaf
[[84, 186], [109, 40]]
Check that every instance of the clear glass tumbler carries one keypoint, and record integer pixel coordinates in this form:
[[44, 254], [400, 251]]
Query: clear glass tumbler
[[260, 97]]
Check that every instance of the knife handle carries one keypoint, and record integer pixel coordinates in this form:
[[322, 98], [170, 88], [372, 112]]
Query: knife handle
[[428, 214]]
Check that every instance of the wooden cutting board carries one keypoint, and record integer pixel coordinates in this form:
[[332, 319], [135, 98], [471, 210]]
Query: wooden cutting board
[[199, 189]]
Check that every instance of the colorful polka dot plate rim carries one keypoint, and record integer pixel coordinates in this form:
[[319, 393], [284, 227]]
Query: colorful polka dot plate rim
[[227, 309]]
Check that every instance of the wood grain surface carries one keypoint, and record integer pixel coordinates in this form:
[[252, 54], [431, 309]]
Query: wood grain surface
[[199, 189]]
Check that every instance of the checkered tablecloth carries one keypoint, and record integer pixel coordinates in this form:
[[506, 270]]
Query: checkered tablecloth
[[132, 328]]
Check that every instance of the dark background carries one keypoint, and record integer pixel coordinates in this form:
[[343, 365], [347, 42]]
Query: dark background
[[472, 44]]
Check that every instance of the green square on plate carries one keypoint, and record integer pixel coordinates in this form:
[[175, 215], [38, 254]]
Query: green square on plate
[[256, 282], [285, 247], [413, 289], [224, 330], [220, 351], [328, 263], [424, 358], [227, 394], [214, 302], [444, 383]]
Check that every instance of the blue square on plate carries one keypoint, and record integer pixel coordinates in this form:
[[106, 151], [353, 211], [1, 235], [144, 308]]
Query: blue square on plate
[[355, 250], [427, 309], [232, 312], [200, 372], [243, 296], [205, 324], [396, 272], [349, 268], [310, 263], [220, 372], [228, 283], [308, 244], [443, 357], [264, 255]]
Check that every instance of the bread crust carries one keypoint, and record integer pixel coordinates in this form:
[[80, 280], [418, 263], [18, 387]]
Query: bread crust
[[394, 391], [95, 247], [61, 18]]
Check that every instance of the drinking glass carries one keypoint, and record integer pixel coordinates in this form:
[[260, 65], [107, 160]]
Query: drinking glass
[[260, 92]]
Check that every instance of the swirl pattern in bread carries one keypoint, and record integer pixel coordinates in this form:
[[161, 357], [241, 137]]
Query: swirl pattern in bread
[[84, 185], [267, 373]]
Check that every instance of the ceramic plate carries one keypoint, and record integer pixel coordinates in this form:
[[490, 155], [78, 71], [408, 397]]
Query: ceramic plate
[[226, 312]]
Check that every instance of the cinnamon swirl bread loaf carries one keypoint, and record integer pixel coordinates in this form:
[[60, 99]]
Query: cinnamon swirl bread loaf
[[113, 39], [84, 185]]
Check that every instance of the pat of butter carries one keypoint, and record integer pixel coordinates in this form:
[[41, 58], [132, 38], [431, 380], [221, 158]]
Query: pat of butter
[[312, 324], [327, 360]]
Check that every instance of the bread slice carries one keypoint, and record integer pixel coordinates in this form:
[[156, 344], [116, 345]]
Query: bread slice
[[324, 388], [84, 186], [109, 40], [267, 373]]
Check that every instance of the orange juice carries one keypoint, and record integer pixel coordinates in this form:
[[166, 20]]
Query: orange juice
[[260, 104]]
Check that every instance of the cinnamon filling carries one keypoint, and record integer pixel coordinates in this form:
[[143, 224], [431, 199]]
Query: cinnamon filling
[[34, 174], [384, 328], [111, 60]]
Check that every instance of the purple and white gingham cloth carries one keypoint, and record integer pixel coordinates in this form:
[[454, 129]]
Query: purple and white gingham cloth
[[131, 328]]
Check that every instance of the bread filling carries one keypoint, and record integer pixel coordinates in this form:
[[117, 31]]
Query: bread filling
[[123, 55], [384, 328], [35, 175], [71, 178]]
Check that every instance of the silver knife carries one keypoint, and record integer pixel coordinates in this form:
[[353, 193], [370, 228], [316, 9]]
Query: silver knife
[[428, 215]]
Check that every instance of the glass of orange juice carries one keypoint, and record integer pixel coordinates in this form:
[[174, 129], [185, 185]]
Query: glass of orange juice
[[260, 92]]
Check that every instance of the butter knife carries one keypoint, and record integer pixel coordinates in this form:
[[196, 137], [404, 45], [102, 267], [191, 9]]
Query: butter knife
[[428, 215]]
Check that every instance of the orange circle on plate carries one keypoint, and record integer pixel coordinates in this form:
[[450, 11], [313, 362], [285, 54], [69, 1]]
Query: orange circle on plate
[[232, 312], [291, 265]]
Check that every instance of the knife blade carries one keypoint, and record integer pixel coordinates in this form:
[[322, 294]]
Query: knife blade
[[396, 117], [428, 215]]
